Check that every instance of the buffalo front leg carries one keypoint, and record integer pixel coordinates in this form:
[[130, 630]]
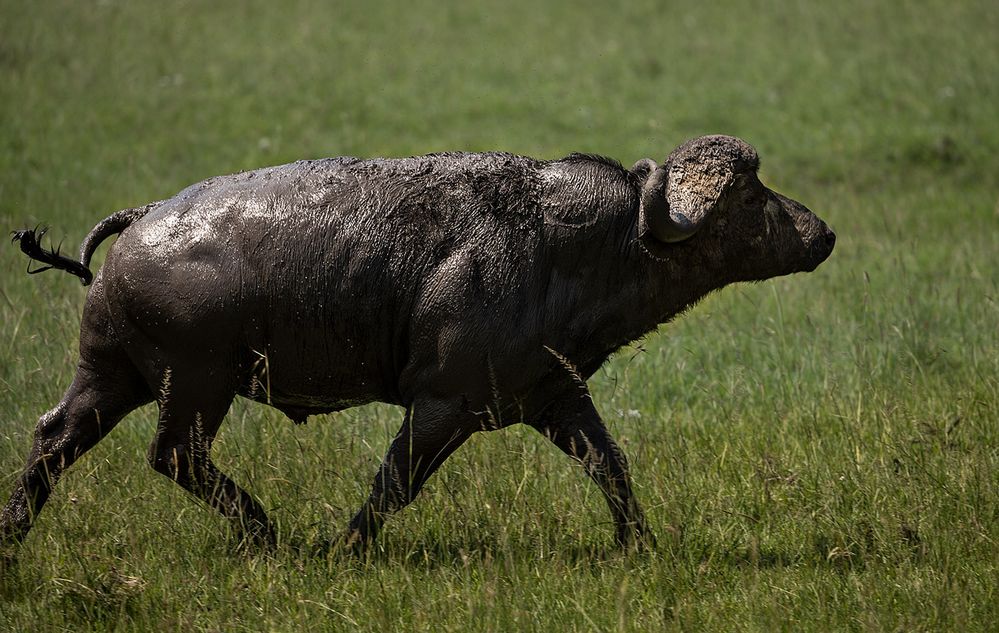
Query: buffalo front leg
[[191, 412], [573, 425], [432, 430]]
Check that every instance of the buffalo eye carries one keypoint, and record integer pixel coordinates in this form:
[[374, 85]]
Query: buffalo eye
[[753, 197]]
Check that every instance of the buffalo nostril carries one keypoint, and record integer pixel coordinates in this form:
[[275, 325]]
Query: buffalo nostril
[[830, 239]]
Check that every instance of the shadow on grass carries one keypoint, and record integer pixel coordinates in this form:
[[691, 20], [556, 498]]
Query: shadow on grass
[[582, 555], [457, 553], [16, 581]]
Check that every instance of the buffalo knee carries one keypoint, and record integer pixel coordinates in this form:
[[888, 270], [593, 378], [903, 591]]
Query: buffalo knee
[[172, 461]]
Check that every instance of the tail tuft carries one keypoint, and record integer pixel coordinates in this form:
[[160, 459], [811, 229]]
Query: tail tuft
[[31, 245]]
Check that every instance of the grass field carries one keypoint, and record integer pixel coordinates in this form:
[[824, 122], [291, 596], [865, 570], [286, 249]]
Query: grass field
[[818, 452]]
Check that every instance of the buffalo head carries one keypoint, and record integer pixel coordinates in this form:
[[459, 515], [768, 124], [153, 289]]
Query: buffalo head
[[707, 194]]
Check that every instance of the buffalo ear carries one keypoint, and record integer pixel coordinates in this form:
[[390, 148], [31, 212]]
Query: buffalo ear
[[680, 195], [643, 168]]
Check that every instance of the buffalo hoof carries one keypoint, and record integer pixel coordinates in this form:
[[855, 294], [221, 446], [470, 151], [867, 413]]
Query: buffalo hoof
[[347, 545], [636, 539]]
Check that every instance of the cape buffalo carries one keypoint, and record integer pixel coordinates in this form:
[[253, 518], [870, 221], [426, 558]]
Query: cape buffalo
[[474, 290]]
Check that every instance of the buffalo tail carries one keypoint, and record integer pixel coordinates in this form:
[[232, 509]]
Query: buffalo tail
[[31, 243]]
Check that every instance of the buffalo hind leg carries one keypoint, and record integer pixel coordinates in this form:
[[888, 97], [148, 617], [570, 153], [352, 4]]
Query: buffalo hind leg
[[574, 425], [192, 408], [432, 430], [95, 402]]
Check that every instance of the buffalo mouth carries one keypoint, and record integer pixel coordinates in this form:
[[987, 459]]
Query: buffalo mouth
[[821, 249]]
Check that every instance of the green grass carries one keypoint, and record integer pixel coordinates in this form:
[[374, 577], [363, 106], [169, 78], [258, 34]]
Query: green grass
[[815, 453]]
